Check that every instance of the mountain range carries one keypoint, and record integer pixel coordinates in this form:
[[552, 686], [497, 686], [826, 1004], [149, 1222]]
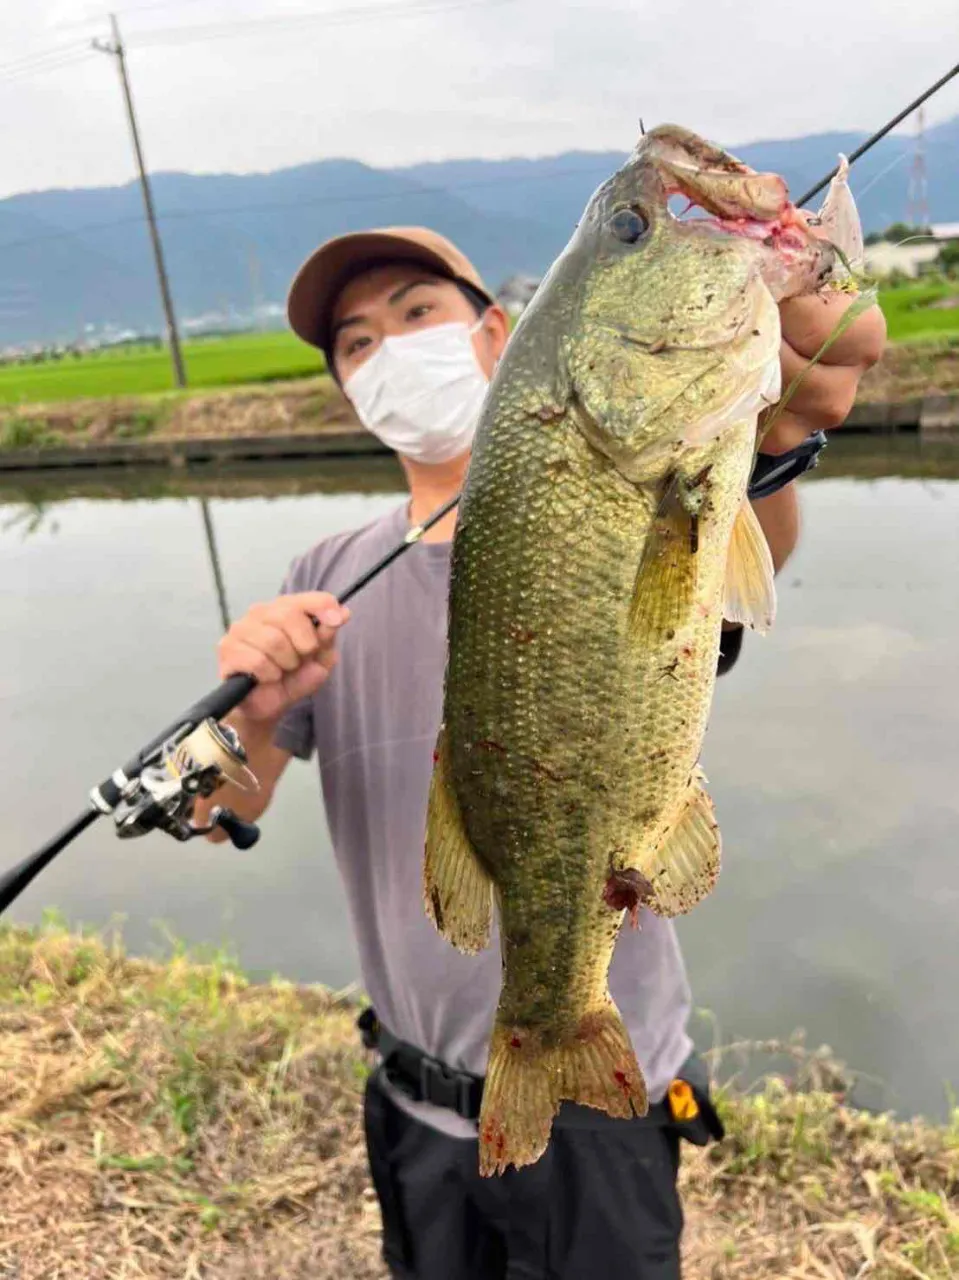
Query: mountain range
[[70, 258]]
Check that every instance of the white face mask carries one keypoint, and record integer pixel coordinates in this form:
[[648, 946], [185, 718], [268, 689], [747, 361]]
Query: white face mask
[[421, 393]]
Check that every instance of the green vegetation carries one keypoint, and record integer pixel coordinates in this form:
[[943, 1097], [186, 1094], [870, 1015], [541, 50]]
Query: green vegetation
[[911, 313], [169, 1118], [949, 258], [139, 370], [895, 233], [27, 433]]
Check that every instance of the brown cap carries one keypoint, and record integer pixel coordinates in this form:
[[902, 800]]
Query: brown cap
[[326, 271]]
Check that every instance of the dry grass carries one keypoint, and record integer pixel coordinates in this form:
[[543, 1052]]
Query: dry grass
[[307, 406], [173, 1120], [913, 370]]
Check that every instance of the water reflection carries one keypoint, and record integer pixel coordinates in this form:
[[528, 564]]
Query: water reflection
[[831, 753]]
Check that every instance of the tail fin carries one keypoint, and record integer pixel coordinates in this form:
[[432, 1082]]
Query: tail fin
[[526, 1081]]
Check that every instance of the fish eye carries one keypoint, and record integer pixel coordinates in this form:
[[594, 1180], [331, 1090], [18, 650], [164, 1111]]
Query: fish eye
[[628, 225]]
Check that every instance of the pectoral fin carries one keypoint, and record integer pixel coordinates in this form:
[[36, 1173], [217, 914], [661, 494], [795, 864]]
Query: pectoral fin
[[666, 580], [685, 865], [457, 891], [750, 590]]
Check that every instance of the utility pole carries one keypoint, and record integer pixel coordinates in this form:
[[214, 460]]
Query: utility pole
[[117, 50], [255, 288]]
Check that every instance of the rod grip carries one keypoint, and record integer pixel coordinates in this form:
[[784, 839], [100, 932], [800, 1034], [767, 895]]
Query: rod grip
[[223, 698]]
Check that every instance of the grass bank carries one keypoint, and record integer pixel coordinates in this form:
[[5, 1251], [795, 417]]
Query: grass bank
[[171, 1119]]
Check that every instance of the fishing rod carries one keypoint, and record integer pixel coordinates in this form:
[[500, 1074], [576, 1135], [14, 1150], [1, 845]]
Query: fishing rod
[[880, 133], [158, 787]]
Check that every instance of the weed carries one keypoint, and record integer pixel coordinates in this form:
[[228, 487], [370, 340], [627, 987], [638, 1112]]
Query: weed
[[28, 433]]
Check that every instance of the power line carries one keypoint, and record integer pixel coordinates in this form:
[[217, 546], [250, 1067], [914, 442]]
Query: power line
[[16, 64], [129, 10], [40, 68], [196, 34], [358, 198]]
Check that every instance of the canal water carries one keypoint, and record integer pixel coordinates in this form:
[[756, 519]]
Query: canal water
[[832, 752]]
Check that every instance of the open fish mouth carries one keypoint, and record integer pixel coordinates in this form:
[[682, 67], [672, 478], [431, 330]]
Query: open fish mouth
[[724, 194]]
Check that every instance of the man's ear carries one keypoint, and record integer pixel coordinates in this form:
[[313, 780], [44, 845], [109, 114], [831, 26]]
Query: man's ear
[[496, 327]]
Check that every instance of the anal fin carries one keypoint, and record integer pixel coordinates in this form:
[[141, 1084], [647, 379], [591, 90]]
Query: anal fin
[[750, 589], [457, 891], [685, 865]]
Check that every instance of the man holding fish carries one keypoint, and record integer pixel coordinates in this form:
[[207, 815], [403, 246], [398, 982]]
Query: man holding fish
[[605, 563]]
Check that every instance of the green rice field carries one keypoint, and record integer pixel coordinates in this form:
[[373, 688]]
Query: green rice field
[[271, 357], [139, 370], [911, 315]]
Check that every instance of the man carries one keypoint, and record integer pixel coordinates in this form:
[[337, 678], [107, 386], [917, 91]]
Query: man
[[412, 334]]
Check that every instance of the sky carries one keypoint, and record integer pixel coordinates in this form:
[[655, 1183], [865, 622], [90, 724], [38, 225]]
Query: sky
[[246, 85]]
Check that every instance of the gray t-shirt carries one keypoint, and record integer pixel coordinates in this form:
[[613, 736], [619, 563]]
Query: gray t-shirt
[[374, 726]]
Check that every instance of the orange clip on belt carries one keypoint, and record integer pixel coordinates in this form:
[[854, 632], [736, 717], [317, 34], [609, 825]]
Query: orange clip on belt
[[682, 1102]]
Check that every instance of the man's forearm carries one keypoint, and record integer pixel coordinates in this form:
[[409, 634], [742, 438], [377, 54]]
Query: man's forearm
[[778, 516]]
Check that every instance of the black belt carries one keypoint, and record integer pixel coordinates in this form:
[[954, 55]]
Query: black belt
[[423, 1078], [418, 1075]]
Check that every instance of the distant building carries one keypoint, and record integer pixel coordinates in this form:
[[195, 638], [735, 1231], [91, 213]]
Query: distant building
[[914, 256], [910, 259], [515, 294]]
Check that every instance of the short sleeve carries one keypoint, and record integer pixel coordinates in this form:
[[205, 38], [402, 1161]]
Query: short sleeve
[[294, 733]]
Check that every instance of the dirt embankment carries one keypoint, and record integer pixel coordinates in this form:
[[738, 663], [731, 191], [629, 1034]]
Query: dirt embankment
[[161, 1120], [912, 371], [295, 408]]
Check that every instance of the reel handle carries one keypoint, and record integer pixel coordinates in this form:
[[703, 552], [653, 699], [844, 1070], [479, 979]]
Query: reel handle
[[241, 834]]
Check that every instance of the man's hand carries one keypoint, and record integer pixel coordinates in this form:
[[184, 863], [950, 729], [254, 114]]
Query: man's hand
[[823, 399], [280, 645], [827, 393]]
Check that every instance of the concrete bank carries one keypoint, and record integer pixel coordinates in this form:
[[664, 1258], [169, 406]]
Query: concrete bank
[[180, 452], [931, 415]]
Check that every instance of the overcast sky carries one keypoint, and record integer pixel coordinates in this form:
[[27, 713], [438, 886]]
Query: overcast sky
[[392, 82]]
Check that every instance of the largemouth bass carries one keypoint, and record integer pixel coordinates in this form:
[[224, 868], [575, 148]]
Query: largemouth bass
[[604, 534]]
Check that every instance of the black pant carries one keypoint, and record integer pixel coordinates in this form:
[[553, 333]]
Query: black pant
[[601, 1202]]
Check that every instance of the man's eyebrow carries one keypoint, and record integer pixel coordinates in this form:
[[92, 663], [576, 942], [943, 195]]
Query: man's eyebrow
[[346, 323], [399, 294]]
